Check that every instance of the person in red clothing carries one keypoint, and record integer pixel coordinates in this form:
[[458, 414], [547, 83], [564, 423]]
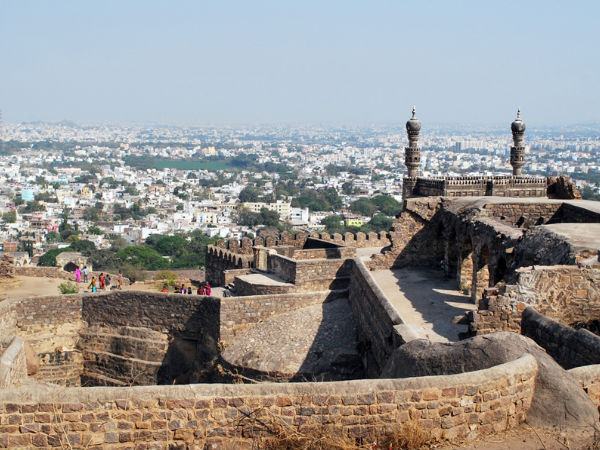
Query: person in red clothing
[[102, 281], [200, 290], [207, 289]]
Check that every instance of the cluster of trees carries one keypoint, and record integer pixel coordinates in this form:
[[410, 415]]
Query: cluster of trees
[[380, 203], [160, 252], [265, 217], [587, 193], [335, 224], [318, 199]]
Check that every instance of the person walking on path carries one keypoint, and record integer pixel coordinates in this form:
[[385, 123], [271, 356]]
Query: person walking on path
[[120, 280], [208, 290], [102, 280], [85, 272], [107, 281], [78, 275], [92, 285], [201, 290]]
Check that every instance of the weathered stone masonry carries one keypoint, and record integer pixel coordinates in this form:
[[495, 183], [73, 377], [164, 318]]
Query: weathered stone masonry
[[229, 416]]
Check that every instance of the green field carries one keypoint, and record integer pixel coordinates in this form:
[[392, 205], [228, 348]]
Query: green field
[[192, 165]]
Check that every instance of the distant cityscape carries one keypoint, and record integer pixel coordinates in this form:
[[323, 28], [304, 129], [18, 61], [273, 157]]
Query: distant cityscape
[[116, 186]]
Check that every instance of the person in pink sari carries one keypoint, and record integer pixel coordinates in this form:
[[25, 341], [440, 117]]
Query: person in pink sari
[[78, 275]]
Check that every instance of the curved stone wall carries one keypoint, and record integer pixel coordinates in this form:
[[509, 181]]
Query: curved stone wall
[[228, 416]]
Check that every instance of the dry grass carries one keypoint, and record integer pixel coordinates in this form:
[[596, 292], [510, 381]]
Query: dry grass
[[281, 435]]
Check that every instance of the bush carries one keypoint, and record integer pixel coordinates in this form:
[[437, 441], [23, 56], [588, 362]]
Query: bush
[[132, 272], [167, 276], [68, 288]]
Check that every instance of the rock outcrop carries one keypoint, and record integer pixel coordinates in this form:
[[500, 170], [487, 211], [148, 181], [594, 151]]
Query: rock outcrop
[[558, 401]]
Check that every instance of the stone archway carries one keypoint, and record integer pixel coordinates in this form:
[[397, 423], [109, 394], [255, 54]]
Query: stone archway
[[481, 273], [499, 270], [451, 255], [70, 267], [464, 267]]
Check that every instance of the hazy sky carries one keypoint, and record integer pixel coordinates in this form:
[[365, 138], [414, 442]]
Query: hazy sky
[[306, 61]]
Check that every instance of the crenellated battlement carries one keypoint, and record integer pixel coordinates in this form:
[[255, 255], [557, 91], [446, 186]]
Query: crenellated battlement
[[475, 186]]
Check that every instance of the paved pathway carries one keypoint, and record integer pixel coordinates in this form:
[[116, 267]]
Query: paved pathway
[[425, 300]]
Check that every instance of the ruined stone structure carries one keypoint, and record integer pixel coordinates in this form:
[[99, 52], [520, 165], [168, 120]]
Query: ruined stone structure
[[502, 186], [301, 308]]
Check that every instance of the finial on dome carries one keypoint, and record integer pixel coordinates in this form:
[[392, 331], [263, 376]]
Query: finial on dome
[[518, 113], [414, 111]]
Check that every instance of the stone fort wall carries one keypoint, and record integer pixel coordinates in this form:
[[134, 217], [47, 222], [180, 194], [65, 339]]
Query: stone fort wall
[[231, 416], [567, 294], [569, 347], [13, 363]]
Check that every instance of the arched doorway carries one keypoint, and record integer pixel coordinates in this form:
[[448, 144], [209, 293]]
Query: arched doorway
[[70, 267], [481, 273], [464, 268]]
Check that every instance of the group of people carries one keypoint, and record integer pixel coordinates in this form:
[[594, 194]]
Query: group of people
[[203, 289], [103, 281]]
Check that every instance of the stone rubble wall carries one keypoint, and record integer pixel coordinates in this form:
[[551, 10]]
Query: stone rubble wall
[[230, 416], [569, 347], [237, 313], [13, 363], [376, 319], [358, 240], [245, 288], [51, 326], [229, 275], [567, 294], [589, 379], [313, 274], [45, 272], [414, 237], [523, 215], [325, 253]]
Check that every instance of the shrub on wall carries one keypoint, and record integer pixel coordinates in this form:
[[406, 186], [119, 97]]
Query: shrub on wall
[[68, 288]]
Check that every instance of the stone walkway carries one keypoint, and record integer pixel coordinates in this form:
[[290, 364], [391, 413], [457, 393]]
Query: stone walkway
[[426, 301]]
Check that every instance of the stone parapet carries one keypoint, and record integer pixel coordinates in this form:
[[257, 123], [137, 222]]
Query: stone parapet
[[225, 416], [375, 317], [13, 363]]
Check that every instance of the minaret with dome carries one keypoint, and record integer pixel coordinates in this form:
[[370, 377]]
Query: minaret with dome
[[514, 185], [517, 151]]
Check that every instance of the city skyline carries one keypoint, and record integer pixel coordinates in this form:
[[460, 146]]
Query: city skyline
[[339, 63]]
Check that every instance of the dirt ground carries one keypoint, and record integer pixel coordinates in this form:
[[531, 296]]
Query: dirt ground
[[22, 287], [527, 438]]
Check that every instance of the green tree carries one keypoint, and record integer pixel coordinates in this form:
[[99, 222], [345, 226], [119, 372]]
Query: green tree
[[10, 216], [48, 259], [363, 206], [387, 205], [53, 236], [249, 194], [84, 246], [268, 217], [167, 245], [333, 224], [95, 230], [143, 258]]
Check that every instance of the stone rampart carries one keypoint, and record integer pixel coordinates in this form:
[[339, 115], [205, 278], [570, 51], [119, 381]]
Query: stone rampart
[[13, 363], [218, 260], [239, 312], [46, 272], [325, 253], [376, 319], [228, 416], [312, 274], [567, 294], [245, 287], [229, 275], [51, 326], [523, 215], [358, 240], [568, 346]]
